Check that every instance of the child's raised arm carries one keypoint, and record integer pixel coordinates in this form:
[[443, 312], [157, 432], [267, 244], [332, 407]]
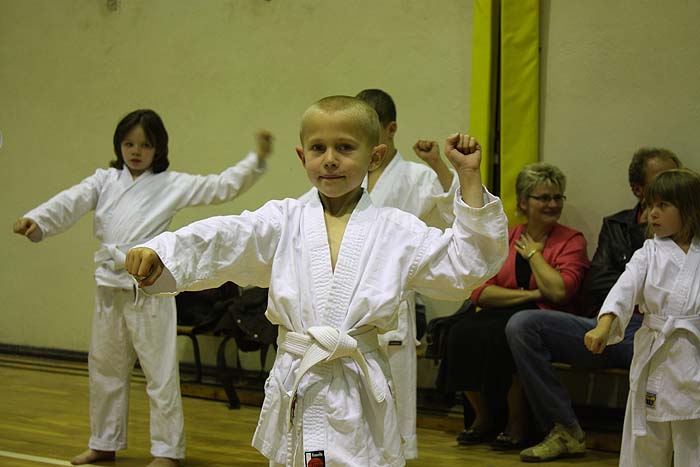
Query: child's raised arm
[[429, 152], [263, 143], [464, 153], [207, 253]]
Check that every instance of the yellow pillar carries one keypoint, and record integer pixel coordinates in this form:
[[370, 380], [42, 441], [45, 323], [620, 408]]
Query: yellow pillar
[[519, 94], [482, 112]]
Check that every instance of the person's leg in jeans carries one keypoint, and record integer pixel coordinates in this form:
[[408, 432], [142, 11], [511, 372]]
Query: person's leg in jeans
[[539, 337]]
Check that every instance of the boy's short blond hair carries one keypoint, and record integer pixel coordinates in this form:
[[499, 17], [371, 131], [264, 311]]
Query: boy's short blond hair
[[358, 110]]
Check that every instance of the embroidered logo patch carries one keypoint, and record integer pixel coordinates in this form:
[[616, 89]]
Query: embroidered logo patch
[[315, 459], [651, 400], [395, 342]]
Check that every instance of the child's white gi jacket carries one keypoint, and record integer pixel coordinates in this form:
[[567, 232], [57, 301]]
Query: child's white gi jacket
[[665, 372], [129, 212], [414, 188], [329, 385]]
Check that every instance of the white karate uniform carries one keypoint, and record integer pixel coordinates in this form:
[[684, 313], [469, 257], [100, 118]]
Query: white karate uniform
[[414, 188], [128, 212], [329, 390], [663, 405]]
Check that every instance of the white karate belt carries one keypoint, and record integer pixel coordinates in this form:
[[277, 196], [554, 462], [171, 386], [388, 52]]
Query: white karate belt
[[325, 344], [115, 252], [664, 327]]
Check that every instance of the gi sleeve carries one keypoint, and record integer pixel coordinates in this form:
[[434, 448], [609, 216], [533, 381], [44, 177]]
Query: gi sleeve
[[207, 253], [627, 292], [197, 190], [450, 264], [63, 210]]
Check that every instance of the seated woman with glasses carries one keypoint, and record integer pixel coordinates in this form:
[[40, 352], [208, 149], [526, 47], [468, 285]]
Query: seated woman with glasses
[[545, 266]]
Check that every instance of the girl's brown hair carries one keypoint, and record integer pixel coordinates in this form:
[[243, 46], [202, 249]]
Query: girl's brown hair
[[680, 187], [155, 132]]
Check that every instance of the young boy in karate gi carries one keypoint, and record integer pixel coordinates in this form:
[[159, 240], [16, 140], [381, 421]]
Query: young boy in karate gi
[[337, 268], [427, 191]]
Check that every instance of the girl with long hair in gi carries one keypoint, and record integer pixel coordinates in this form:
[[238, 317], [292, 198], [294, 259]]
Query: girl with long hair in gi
[[135, 200]]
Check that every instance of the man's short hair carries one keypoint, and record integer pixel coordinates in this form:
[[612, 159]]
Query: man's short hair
[[637, 169], [382, 103]]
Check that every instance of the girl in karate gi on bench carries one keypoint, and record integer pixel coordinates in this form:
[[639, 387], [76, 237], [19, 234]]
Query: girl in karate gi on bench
[[662, 419], [337, 267], [134, 201]]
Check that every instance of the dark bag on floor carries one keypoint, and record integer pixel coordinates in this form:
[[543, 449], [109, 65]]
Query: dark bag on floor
[[244, 320], [438, 331], [204, 308]]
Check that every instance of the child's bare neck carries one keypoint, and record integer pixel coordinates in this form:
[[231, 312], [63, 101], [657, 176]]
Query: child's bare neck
[[683, 243], [336, 213], [341, 207], [685, 246]]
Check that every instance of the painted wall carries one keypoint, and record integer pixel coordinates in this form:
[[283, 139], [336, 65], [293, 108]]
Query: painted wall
[[216, 71], [616, 76]]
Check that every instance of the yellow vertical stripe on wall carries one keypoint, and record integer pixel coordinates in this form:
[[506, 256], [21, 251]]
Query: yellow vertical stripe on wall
[[519, 94], [482, 113]]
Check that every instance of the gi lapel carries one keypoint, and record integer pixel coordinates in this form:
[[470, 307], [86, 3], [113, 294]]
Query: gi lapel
[[347, 265], [316, 240], [123, 204], [690, 268]]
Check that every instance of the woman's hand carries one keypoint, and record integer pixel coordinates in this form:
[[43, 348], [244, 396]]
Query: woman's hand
[[527, 247]]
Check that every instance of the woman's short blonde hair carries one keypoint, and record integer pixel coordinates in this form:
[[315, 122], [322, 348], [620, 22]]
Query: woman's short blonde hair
[[532, 175]]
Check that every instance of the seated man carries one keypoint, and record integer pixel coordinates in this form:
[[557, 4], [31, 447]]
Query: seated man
[[539, 337]]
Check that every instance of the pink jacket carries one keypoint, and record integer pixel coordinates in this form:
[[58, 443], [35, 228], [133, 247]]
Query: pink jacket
[[565, 250]]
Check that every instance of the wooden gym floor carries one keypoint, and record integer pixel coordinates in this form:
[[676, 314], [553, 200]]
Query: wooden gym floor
[[44, 421]]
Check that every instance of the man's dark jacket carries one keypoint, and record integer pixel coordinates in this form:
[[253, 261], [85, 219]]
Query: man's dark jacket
[[619, 238]]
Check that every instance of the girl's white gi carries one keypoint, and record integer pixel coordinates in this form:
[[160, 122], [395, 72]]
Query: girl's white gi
[[329, 390], [663, 406], [128, 212]]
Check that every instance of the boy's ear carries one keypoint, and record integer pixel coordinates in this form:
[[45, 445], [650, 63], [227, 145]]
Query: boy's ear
[[377, 157], [300, 154], [391, 129]]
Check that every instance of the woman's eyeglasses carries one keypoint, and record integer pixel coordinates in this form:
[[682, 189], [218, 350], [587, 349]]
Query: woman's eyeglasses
[[546, 199]]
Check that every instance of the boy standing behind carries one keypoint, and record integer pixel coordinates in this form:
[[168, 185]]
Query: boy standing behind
[[427, 192], [336, 267]]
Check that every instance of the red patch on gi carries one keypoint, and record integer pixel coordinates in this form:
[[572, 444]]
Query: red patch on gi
[[315, 459]]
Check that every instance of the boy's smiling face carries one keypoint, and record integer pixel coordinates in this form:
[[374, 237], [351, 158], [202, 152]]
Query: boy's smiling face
[[336, 153]]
